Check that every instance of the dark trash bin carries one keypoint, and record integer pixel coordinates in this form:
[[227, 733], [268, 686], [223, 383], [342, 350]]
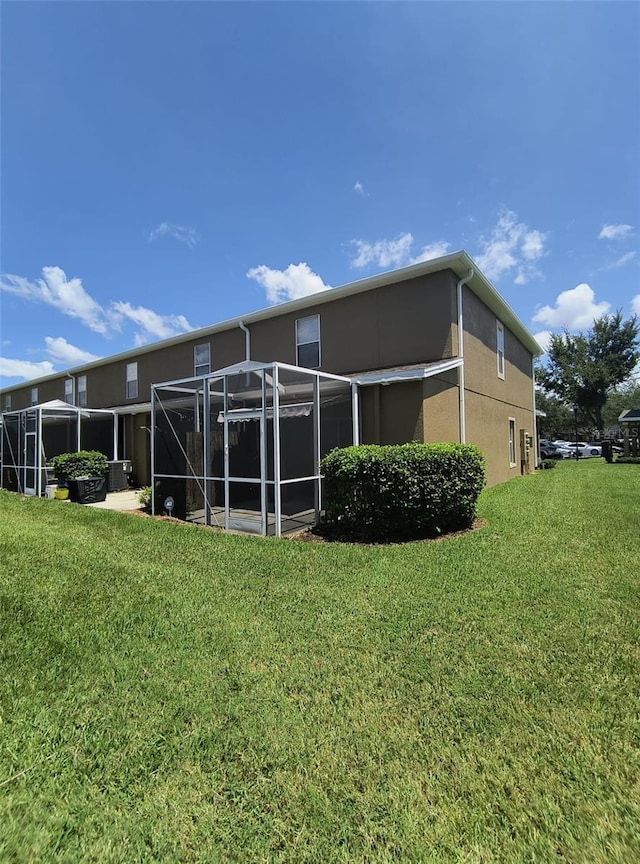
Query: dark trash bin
[[88, 490]]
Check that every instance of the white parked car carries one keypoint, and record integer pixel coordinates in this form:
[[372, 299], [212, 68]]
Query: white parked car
[[584, 449]]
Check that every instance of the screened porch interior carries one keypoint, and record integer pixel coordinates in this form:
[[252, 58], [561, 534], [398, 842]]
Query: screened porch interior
[[31, 437], [240, 449]]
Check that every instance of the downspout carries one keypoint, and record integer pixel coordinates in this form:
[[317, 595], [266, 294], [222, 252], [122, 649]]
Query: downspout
[[247, 340], [461, 400]]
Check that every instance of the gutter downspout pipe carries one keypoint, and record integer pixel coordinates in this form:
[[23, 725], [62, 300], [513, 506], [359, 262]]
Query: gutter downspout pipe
[[461, 400], [247, 339]]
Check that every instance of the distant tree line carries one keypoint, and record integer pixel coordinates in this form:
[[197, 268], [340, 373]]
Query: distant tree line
[[591, 371]]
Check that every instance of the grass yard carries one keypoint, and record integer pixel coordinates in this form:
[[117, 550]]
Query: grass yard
[[168, 693]]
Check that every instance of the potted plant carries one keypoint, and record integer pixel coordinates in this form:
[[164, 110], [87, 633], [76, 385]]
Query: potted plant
[[85, 473], [61, 492]]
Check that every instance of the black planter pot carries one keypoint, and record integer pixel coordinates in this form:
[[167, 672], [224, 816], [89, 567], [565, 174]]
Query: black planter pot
[[88, 490]]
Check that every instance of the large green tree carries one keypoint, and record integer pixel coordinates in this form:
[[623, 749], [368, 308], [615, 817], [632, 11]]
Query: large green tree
[[558, 417], [583, 368]]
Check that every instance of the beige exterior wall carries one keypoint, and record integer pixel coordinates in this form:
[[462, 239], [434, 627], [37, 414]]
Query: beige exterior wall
[[491, 400], [441, 414]]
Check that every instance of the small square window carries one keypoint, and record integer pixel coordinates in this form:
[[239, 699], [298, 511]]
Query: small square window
[[500, 348], [202, 359], [82, 391], [308, 342], [132, 380]]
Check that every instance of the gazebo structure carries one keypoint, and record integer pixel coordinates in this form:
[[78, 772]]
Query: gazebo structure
[[629, 421], [240, 448], [31, 437]]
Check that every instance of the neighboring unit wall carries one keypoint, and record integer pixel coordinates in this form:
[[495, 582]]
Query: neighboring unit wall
[[490, 399], [441, 416]]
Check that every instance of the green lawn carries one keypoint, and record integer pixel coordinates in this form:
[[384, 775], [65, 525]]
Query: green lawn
[[168, 693]]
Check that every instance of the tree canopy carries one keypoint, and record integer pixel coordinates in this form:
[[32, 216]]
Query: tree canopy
[[582, 369]]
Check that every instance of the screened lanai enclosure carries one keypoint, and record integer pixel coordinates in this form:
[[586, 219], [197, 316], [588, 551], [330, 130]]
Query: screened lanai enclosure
[[31, 437], [240, 448]]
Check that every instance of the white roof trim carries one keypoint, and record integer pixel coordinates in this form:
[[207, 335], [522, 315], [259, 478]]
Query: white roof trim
[[390, 377]]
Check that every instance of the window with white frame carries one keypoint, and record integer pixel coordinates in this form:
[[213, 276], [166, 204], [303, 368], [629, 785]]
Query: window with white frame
[[68, 390], [34, 395], [512, 442], [202, 359], [500, 348], [308, 342], [82, 391], [7, 402], [132, 380]]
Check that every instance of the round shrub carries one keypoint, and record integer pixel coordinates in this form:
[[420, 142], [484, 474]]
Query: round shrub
[[375, 493], [84, 463]]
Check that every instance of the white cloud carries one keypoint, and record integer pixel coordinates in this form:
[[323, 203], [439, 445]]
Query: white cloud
[[433, 250], [624, 259], [383, 253], [574, 309], [153, 324], [512, 246], [358, 188], [615, 232], [183, 233], [24, 369], [533, 245], [298, 280], [543, 338], [69, 297], [66, 295], [635, 305], [62, 351]]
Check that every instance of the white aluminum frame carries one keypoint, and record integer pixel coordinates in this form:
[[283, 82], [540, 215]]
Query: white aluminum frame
[[270, 374], [39, 414]]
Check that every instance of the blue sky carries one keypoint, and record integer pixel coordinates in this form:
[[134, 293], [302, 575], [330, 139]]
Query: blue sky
[[169, 165]]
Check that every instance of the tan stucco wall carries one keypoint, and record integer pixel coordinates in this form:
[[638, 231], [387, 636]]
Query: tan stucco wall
[[490, 400], [391, 414], [409, 322], [441, 417]]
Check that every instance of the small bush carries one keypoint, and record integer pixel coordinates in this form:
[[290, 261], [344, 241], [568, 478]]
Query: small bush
[[84, 463], [144, 499], [545, 464], [379, 494]]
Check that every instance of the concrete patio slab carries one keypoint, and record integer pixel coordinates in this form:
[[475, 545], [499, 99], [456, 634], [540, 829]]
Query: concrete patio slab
[[126, 500]]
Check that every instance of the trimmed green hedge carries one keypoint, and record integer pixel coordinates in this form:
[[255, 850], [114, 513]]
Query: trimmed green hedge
[[628, 460], [84, 463], [380, 494]]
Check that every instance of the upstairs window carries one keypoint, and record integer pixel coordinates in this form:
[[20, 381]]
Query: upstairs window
[[308, 342], [34, 395], [68, 390], [82, 391], [500, 348], [132, 381], [7, 403], [202, 359]]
